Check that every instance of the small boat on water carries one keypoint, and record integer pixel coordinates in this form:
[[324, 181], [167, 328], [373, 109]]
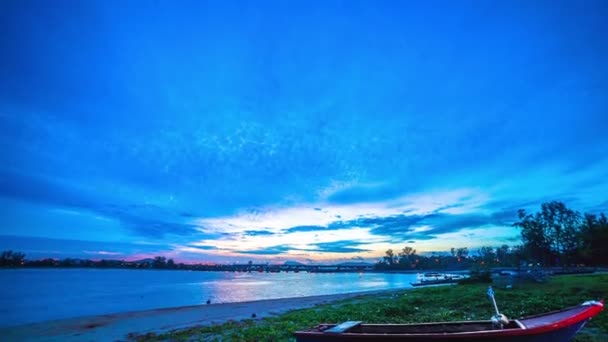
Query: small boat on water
[[436, 279], [557, 326]]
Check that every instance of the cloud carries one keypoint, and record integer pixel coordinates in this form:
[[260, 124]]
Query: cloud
[[427, 227], [139, 218], [393, 223], [103, 253], [344, 246], [154, 228], [369, 226], [202, 247], [30, 188], [274, 250], [37, 247], [366, 193], [306, 229], [258, 233], [445, 223]]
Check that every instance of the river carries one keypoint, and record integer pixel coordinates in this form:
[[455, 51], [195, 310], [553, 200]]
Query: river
[[36, 295]]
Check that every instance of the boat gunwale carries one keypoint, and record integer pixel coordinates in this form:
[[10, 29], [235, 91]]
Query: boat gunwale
[[592, 310]]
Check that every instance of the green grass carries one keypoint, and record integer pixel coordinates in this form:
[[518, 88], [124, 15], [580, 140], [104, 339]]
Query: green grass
[[451, 303]]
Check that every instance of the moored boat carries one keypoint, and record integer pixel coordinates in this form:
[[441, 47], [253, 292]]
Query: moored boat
[[557, 326], [436, 279]]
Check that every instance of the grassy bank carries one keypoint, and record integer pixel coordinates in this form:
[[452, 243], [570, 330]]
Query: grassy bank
[[451, 303]]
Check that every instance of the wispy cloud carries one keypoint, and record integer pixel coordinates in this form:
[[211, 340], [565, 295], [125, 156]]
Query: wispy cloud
[[305, 229], [257, 232], [103, 253], [407, 219], [142, 219], [274, 250], [37, 247], [343, 246]]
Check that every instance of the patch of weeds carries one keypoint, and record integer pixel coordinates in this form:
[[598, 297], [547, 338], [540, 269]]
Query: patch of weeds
[[451, 303]]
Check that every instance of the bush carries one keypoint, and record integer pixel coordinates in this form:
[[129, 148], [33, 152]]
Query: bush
[[477, 277]]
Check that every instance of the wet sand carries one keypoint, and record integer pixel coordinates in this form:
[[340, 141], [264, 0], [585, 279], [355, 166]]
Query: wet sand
[[117, 327]]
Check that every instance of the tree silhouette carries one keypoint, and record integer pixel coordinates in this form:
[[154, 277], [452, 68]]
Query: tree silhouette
[[551, 236], [390, 257], [11, 259], [159, 262], [407, 256], [594, 239]]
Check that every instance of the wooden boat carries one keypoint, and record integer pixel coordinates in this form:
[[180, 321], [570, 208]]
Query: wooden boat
[[557, 326]]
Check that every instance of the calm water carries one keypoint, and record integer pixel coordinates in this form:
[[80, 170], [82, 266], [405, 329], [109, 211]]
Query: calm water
[[34, 295]]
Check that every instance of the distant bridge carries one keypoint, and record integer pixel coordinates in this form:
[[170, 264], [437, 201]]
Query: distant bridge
[[311, 268]]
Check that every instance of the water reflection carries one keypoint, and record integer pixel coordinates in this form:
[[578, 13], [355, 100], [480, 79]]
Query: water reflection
[[284, 285]]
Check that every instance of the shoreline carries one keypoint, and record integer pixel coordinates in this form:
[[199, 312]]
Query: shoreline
[[119, 326]]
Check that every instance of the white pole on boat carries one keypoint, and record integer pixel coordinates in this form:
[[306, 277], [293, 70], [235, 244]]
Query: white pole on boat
[[499, 319], [491, 295]]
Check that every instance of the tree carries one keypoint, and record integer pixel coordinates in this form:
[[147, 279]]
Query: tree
[[562, 225], [536, 244], [159, 262], [390, 257], [406, 255], [462, 252], [502, 255], [551, 236], [487, 255], [594, 239], [518, 255], [11, 259]]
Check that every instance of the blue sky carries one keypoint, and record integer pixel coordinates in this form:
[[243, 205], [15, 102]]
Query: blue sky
[[272, 130]]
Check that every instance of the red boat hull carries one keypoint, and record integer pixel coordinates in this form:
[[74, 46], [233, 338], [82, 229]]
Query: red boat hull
[[559, 326]]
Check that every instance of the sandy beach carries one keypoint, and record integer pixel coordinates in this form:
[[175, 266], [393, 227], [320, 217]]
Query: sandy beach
[[117, 327]]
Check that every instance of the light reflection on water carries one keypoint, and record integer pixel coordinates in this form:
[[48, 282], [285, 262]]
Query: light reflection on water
[[33, 295]]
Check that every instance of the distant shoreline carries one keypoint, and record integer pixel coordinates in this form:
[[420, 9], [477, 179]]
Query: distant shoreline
[[226, 271]]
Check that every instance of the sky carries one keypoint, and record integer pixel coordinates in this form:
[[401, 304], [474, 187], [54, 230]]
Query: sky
[[316, 131]]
